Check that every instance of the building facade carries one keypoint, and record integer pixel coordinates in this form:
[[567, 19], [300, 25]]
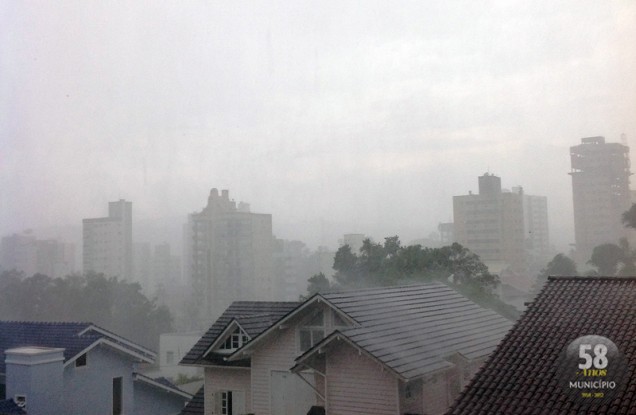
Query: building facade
[[24, 252], [107, 242], [600, 189], [507, 229], [231, 252]]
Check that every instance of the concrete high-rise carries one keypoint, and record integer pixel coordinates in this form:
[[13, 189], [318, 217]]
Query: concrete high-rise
[[107, 242], [231, 253], [600, 188], [507, 229]]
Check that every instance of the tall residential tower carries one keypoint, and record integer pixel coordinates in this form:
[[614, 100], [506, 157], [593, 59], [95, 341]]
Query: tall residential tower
[[600, 188], [231, 253], [507, 229], [107, 242]]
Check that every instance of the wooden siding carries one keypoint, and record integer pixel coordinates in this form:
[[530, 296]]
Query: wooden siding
[[357, 385], [279, 352], [222, 379], [276, 353]]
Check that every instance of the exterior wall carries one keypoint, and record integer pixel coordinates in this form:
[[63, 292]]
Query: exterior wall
[[107, 242], [411, 403], [435, 395], [600, 189], [231, 252], [36, 374], [277, 353], [223, 379], [150, 400], [88, 389], [177, 345], [356, 385]]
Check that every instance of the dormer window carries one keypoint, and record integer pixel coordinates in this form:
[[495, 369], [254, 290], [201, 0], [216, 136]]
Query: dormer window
[[312, 331], [234, 341]]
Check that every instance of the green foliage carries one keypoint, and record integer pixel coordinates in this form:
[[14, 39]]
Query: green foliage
[[116, 305], [629, 217], [391, 264], [612, 259], [560, 265], [318, 284]]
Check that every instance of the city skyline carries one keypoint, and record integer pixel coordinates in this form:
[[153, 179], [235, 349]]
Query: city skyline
[[337, 120]]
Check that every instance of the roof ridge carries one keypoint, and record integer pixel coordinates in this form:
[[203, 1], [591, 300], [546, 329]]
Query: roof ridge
[[47, 322], [591, 277], [385, 287]]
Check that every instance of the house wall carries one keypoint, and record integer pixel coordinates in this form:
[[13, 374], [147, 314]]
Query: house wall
[[435, 396], [151, 400], [276, 353], [411, 404], [223, 379], [357, 385], [89, 389]]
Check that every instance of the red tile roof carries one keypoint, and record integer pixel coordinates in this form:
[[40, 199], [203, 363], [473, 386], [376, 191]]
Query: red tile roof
[[521, 375]]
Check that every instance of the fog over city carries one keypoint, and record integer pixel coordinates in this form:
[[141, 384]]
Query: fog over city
[[333, 116]]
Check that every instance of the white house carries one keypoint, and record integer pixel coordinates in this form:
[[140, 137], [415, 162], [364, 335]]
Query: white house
[[390, 350]]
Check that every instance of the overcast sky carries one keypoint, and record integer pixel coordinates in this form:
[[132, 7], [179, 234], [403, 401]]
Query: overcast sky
[[333, 116]]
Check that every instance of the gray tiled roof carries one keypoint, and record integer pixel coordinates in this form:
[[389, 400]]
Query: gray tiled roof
[[521, 376], [195, 406], [253, 316], [412, 329]]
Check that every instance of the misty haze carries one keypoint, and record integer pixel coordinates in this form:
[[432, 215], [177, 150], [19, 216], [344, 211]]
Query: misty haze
[[317, 208]]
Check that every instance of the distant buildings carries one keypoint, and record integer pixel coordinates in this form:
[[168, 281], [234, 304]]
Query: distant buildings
[[231, 251], [600, 187], [507, 229], [107, 242], [354, 240], [24, 252]]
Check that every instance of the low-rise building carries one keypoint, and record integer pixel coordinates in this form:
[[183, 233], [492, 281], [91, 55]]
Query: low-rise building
[[389, 350], [80, 368]]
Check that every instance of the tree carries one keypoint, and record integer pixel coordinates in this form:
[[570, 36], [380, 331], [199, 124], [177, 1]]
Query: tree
[[318, 284], [560, 265], [629, 217], [114, 304], [607, 258]]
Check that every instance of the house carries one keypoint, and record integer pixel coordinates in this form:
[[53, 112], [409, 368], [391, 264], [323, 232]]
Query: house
[[79, 368], [573, 351], [388, 350]]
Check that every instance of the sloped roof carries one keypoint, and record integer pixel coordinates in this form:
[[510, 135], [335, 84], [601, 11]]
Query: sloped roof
[[74, 337], [253, 316], [195, 406], [413, 329], [521, 375], [163, 384]]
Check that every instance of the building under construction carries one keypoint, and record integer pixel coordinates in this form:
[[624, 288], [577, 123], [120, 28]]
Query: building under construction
[[600, 186]]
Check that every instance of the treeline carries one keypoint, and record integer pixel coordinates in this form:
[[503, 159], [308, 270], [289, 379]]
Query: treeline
[[390, 263], [113, 304]]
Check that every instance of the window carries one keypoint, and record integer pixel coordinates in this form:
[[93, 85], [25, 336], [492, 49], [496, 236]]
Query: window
[[117, 396], [226, 403], [170, 358], [81, 361], [312, 332], [235, 340]]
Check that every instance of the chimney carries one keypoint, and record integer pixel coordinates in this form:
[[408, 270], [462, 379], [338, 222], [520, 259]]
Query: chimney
[[34, 378]]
